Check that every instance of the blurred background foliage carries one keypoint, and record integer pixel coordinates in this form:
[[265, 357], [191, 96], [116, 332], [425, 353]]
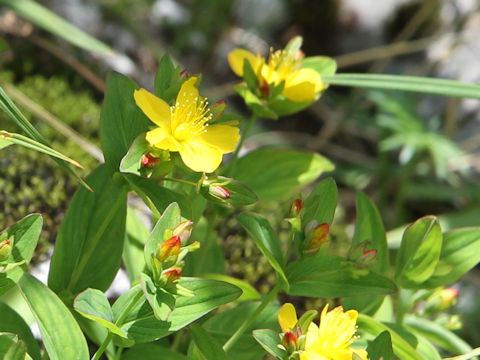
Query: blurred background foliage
[[412, 154]]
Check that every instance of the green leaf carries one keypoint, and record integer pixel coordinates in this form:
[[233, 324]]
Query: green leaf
[[4, 142], [49, 21], [207, 344], [282, 106], [470, 355], [266, 240], [61, 334], [24, 234], [331, 276], [121, 120], [169, 220], [248, 291], [141, 324], [275, 174], [16, 352], [8, 106], [159, 195], [406, 83], [258, 106], [94, 305], [324, 65], [167, 80], [401, 347], [7, 340], [34, 145], [151, 352], [419, 252], [269, 340], [161, 301], [460, 253], [136, 236], [12, 322], [224, 324], [90, 237], [437, 334], [369, 226], [320, 205], [381, 347], [131, 162]]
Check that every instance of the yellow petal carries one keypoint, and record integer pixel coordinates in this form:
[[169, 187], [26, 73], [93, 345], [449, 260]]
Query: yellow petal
[[201, 157], [186, 102], [302, 85], [160, 138], [312, 355], [155, 108], [224, 137], [361, 353], [287, 317], [236, 59], [312, 335]]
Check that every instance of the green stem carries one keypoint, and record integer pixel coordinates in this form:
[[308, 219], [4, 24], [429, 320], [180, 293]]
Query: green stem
[[103, 347], [248, 127], [236, 335], [180, 181]]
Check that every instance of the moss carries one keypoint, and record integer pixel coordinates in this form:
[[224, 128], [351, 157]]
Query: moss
[[32, 182]]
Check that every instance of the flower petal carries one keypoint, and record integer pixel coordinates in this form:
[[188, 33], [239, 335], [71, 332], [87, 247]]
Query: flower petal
[[155, 108], [200, 156], [186, 102], [236, 59], [287, 317], [303, 85], [224, 137], [312, 355], [160, 138]]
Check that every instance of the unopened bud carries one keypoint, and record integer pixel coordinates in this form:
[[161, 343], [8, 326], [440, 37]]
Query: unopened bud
[[217, 110], [369, 256], [184, 74], [317, 237], [219, 192], [149, 160], [299, 55], [167, 252], [296, 208], [5, 249], [172, 275], [264, 89], [290, 342], [448, 297], [184, 230]]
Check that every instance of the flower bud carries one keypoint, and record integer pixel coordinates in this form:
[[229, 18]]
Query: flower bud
[[219, 192], [217, 110], [316, 237], [296, 207], [5, 249], [448, 297], [172, 275], [184, 74], [149, 160], [290, 342], [167, 252], [369, 256], [184, 230]]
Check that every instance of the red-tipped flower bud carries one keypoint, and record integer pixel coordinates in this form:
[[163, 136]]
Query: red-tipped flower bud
[[184, 230], [219, 192], [369, 256], [149, 160], [449, 297], [317, 237], [290, 342], [184, 74], [296, 207], [172, 275], [5, 249], [168, 251]]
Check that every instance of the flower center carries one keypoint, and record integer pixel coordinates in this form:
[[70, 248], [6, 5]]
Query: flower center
[[190, 119]]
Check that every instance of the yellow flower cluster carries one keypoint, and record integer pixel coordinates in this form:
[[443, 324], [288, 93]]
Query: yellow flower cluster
[[330, 340]]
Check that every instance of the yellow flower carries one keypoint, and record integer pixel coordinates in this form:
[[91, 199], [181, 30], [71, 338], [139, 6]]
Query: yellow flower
[[332, 340], [300, 84], [184, 128]]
